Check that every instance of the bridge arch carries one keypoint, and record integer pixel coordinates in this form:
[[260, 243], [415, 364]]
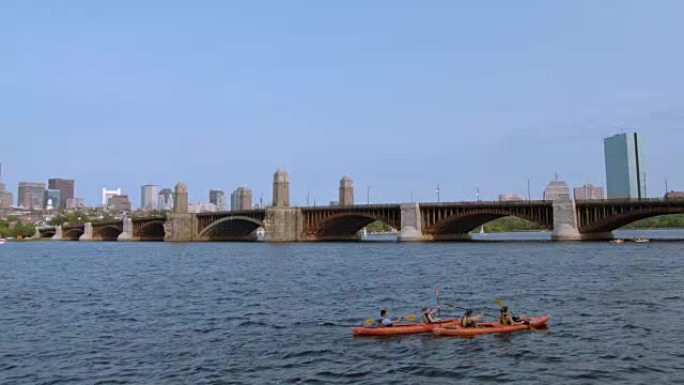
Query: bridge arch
[[152, 231], [231, 228], [72, 234], [107, 233], [616, 221], [346, 224], [464, 224]]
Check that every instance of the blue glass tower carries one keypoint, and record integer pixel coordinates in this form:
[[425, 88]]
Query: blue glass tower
[[624, 173]]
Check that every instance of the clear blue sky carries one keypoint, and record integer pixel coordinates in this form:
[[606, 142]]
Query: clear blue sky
[[400, 95]]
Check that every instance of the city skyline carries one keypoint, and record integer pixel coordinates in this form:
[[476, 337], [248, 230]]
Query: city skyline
[[406, 100]]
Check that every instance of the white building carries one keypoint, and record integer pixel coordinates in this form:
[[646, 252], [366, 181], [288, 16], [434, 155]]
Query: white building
[[107, 194], [556, 189]]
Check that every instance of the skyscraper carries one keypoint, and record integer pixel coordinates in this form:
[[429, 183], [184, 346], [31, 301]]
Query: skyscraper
[[165, 199], [52, 199], [241, 199], [108, 194], [148, 197], [5, 196], [218, 198], [31, 195], [624, 172], [65, 187], [556, 189]]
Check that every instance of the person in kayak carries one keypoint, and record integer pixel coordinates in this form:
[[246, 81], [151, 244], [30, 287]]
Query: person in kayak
[[469, 320], [384, 319], [505, 316], [429, 315]]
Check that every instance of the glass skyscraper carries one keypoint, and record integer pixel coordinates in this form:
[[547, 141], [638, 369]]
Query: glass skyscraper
[[624, 173]]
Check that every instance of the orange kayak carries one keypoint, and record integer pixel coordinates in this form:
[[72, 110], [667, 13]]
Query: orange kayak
[[402, 328], [490, 327]]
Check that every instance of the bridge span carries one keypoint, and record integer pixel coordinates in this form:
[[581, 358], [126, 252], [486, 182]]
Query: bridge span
[[567, 220]]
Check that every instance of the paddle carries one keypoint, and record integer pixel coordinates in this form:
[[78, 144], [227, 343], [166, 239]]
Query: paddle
[[410, 317], [437, 298]]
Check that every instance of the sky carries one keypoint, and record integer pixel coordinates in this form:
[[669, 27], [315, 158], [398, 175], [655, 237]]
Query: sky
[[401, 96]]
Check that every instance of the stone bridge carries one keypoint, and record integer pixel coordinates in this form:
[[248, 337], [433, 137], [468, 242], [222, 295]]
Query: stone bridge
[[567, 219]]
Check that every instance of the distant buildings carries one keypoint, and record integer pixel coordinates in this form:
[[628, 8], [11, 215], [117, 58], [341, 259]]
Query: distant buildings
[[108, 194], [674, 195], [589, 192], [75, 204], [201, 207], [624, 172], [556, 189], [5, 196], [31, 195], [52, 199], [218, 198], [165, 199], [66, 190], [241, 199], [148, 197], [346, 196], [510, 197], [119, 203]]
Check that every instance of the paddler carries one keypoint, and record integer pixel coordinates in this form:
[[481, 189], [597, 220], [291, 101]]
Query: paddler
[[505, 316], [468, 319], [429, 315], [384, 319]]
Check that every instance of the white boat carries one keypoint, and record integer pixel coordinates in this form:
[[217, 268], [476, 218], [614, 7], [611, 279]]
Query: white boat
[[482, 230], [2, 241], [641, 240]]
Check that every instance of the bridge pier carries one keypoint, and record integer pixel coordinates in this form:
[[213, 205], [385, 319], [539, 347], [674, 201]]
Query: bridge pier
[[127, 233], [180, 228], [87, 232], [283, 224], [58, 233], [411, 225]]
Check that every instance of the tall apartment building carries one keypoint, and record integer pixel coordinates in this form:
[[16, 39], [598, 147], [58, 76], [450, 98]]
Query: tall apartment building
[[241, 199], [31, 195]]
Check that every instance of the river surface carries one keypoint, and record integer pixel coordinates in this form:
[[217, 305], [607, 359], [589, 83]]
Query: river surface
[[255, 313]]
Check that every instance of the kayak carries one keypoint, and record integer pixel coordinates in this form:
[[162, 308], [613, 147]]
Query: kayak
[[402, 328], [490, 327]]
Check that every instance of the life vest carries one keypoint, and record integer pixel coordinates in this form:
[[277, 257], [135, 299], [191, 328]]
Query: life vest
[[426, 319], [466, 322], [505, 319]]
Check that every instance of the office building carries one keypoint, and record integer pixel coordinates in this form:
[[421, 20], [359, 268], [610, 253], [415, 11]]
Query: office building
[[119, 203], [241, 199], [624, 172], [201, 207], [52, 199], [148, 197], [65, 187], [75, 204], [674, 195], [165, 199], [556, 189], [588, 192], [31, 195], [218, 198], [108, 194]]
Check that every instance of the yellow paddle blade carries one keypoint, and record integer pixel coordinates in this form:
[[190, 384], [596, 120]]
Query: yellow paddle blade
[[369, 321], [410, 317], [499, 302]]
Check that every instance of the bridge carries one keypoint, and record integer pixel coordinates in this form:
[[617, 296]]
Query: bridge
[[568, 220]]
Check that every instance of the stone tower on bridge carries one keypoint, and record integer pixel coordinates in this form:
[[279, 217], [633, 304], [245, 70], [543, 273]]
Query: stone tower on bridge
[[281, 189], [346, 192], [180, 199]]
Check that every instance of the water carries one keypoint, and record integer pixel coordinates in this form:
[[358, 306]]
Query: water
[[229, 313]]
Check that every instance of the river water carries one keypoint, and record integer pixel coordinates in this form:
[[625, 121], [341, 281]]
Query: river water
[[255, 313]]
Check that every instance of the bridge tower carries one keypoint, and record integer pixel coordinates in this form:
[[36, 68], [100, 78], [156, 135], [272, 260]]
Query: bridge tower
[[281, 189], [180, 199], [180, 226], [346, 192]]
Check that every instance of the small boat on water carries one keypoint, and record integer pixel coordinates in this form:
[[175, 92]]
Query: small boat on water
[[641, 240], [491, 327], [402, 328], [617, 241], [2, 241]]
